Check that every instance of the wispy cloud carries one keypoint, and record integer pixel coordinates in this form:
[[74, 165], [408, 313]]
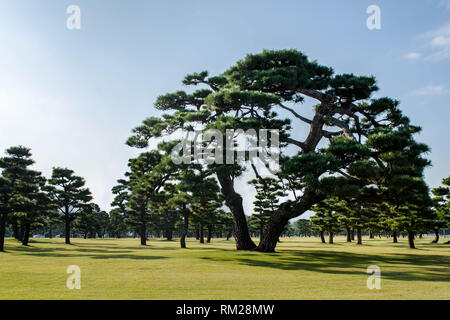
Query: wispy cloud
[[436, 45], [439, 43], [413, 56], [432, 90]]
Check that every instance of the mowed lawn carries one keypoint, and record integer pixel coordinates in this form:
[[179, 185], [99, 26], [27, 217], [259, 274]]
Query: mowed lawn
[[301, 269]]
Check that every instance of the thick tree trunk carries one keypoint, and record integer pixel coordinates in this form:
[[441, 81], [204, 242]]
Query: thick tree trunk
[[371, 236], [234, 202], [209, 234], [197, 233], [358, 235], [322, 237], [261, 231], [330, 237], [184, 232], [22, 231], [394, 236], [143, 234], [349, 236], [285, 212], [229, 235], [411, 239], [16, 231], [67, 231], [26, 234], [202, 237], [436, 238], [169, 234], [3, 218], [353, 234]]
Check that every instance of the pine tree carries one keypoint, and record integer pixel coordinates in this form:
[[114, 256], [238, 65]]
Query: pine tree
[[343, 145], [15, 184], [69, 195], [441, 207], [268, 194], [326, 219], [304, 227], [39, 207]]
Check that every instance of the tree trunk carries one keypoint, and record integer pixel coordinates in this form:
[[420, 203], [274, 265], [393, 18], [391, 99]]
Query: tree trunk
[[169, 234], [143, 234], [330, 237], [67, 231], [26, 234], [358, 235], [3, 218], [371, 236], [229, 235], [436, 238], [411, 239], [16, 231], [234, 202], [394, 235], [285, 212], [209, 234], [261, 231], [322, 238], [185, 231], [349, 236], [353, 234], [202, 238], [197, 233]]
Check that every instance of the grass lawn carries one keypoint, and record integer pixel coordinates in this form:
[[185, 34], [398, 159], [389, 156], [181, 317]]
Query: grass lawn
[[301, 269]]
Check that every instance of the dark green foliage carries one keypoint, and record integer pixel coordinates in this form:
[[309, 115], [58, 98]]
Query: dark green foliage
[[92, 221], [69, 195], [441, 207], [268, 194], [358, 149], [17, 184]]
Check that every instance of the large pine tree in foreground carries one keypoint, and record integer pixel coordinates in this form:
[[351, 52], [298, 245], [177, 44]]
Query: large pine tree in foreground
[[341, 150]]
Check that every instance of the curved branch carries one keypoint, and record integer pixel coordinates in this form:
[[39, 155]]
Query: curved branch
[[295, 114]]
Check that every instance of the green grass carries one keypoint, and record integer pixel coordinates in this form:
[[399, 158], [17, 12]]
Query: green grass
[[301, 269]]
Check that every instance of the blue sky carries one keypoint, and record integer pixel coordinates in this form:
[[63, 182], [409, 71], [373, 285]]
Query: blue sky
[[74, 95]]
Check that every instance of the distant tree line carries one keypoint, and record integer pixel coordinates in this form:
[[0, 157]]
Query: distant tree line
[[164, 200]]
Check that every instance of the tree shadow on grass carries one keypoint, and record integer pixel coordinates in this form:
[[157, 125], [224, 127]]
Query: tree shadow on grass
[[410, 267], [85, 253]]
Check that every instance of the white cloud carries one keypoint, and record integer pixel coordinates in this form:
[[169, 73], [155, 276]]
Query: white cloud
[[413, 56], [432, 90], [436, 45]]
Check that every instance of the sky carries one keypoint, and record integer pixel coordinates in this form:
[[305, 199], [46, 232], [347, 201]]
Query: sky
[[73, 96]]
